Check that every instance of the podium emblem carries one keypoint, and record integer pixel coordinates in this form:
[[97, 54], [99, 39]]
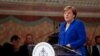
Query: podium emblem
[[43, 49]]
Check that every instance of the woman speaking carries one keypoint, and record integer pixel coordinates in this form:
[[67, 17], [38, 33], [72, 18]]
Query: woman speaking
[[72, 31]]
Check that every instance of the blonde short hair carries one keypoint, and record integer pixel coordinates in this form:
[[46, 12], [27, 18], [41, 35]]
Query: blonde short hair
[[71, 8]]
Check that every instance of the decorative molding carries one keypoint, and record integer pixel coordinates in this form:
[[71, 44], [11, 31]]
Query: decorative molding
[[80, 3], [44, 13], [86, 8], [32, 23]]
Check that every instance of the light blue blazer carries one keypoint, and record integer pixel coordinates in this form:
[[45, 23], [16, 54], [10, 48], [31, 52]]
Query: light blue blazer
[[75, 35]]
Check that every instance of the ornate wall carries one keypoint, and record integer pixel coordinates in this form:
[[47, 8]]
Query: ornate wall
[[40, 29]]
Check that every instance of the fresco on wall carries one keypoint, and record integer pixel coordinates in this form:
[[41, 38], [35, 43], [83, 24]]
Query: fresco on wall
[[40, 29]]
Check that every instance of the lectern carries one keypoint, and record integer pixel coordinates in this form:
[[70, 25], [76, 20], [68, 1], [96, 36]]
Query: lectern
[[65, 51]]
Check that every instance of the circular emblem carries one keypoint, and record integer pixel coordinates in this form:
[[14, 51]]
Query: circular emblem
[[43, 49]]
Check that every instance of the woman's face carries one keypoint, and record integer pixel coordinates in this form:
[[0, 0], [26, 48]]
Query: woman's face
[[68, 15]]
